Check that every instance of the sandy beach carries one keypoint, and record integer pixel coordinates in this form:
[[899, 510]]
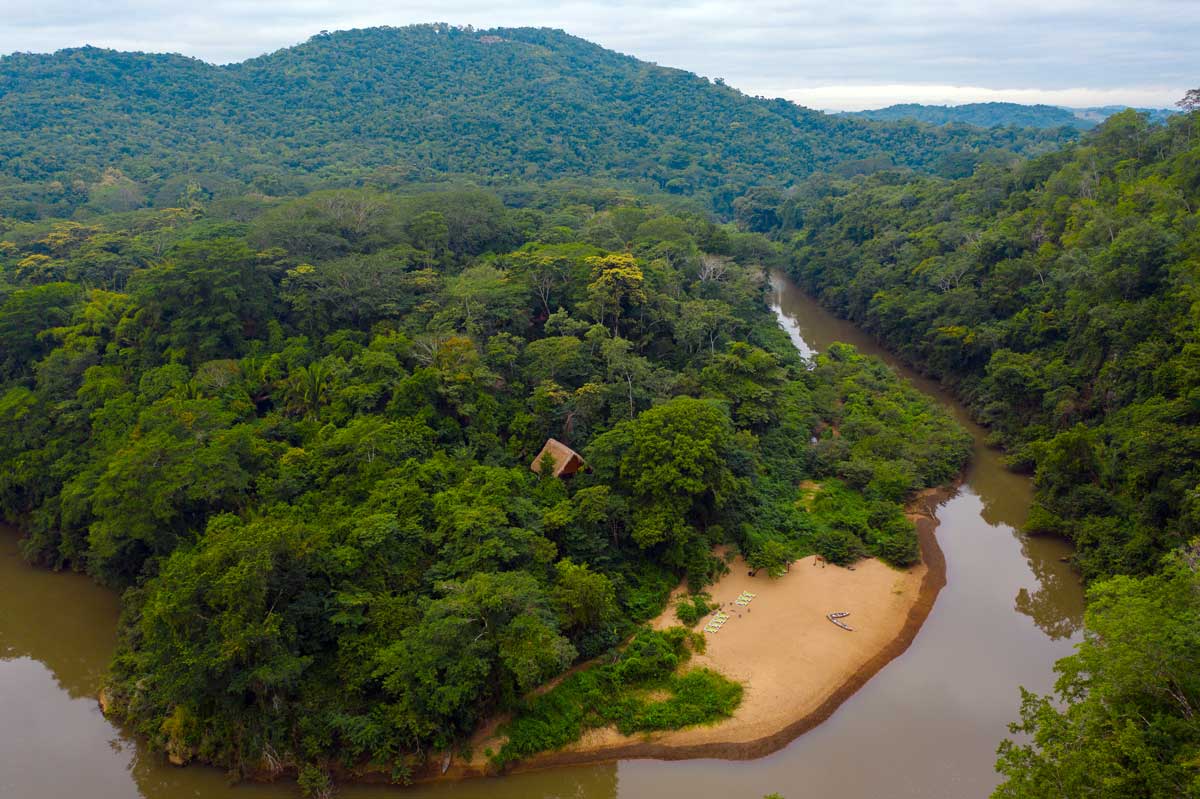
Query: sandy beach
[[797, 667]]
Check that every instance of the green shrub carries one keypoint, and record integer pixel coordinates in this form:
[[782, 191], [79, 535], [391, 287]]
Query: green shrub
[[774, 556], [646, 590], [839, 546], [699, 696], [899, 550], [691, 609], [315, 782], [854, 527], [617, 694]]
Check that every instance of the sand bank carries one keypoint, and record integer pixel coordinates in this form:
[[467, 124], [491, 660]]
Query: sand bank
[[795, 665]]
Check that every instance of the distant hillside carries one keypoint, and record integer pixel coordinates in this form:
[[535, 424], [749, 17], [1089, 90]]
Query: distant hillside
[[984, 115], [989, 115], [394, 105], [1100, 113]]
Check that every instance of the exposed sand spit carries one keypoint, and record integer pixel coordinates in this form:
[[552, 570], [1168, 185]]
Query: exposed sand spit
[[797, 667]]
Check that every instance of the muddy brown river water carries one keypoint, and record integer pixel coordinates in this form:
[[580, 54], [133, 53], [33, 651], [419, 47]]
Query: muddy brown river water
[[925, 726]]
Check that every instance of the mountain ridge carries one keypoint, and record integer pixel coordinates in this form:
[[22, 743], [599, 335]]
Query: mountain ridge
[[993, 114], [421, 103]]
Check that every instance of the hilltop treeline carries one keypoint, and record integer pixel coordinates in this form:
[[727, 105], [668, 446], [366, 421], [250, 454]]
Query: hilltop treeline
[[989, 115], [106, 131], [299, 435]]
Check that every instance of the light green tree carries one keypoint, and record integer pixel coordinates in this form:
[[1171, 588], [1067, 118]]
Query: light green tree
[[616, 280], [1127, 717]]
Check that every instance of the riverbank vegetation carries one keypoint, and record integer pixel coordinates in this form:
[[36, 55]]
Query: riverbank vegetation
[[299, 438], [1130, 697], [640, 690], [1057, 296]]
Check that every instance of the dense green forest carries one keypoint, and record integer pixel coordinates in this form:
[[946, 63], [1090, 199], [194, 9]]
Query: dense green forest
[[280, 341], [96, 131], [1059, 299], [989, 115], [301, 439]]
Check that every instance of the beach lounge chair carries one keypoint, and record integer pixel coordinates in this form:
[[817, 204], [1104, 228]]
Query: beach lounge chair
[[717, 621]]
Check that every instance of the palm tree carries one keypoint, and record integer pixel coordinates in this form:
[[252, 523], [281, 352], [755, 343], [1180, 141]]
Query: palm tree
[[307, 389]]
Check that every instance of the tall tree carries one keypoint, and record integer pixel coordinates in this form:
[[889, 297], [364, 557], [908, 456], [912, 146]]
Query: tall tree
[[617, 280]]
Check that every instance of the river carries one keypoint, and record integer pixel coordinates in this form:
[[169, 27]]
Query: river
[[925, 726]]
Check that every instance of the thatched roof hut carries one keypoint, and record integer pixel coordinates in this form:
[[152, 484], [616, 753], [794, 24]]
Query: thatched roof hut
[[566, 460]]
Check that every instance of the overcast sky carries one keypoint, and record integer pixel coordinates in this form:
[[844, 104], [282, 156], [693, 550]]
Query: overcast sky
[[833, 55]]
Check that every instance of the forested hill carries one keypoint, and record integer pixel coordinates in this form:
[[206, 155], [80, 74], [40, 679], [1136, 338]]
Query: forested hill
[[984, 115], [115, 131], [988, 115]]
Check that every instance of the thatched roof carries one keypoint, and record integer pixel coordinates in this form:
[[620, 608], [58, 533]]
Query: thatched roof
[[566, 460]]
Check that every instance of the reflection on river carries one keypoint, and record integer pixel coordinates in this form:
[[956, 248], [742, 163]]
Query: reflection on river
[[925, 726], [1055, 601]]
